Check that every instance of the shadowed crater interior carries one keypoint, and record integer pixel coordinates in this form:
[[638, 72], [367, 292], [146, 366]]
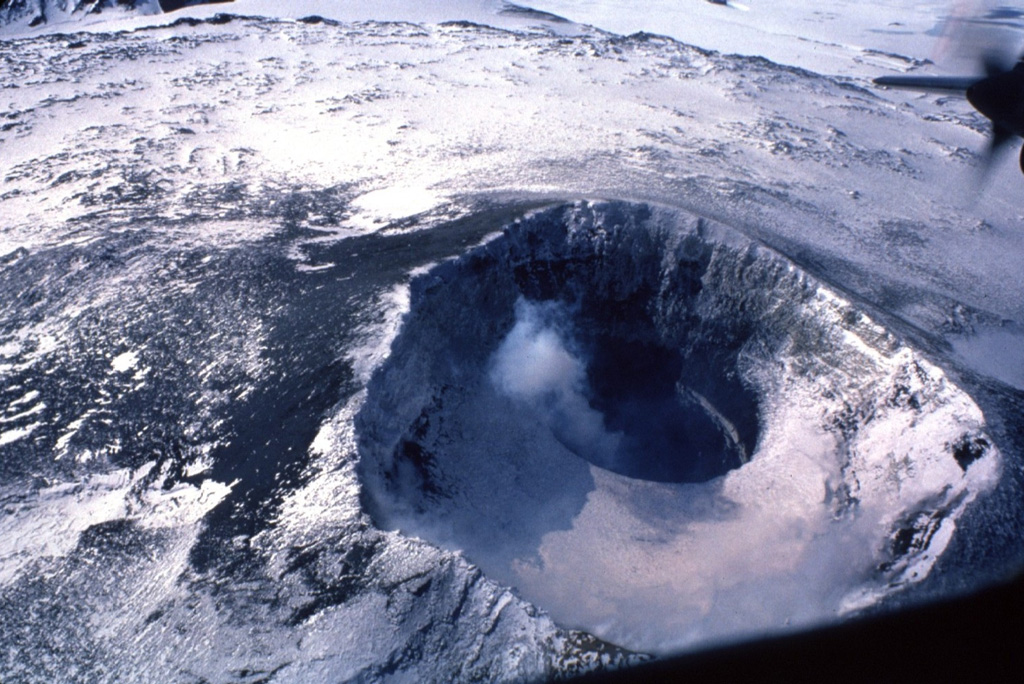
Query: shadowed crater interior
[[578, 336], [669, 395]]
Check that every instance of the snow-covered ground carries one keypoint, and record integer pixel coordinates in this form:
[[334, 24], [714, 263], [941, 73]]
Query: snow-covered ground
[[209, 224], [841, 37]]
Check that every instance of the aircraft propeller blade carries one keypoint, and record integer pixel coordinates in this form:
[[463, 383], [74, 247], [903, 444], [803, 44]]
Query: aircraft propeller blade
[[998, 140]]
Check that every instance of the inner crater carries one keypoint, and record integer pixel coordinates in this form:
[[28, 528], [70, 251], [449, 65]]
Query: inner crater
[[670, 430], [660, 431], [587, 355]]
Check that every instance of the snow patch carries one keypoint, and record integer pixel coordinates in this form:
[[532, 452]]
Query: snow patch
[[378, 208], [47, 524], [11, 436], [125, 362]]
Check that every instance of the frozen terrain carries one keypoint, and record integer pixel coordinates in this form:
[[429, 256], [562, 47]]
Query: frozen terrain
[[841, 37], [33, 14], [342, 341]]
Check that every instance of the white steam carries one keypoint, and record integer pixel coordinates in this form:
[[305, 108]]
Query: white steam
[[535, 366]]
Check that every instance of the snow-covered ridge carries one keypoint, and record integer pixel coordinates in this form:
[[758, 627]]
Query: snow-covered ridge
[[846, 37], [22, 14], [47, 16]]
